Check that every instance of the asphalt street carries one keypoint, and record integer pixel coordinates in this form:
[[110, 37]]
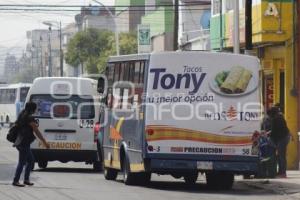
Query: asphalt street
[[77, 181]]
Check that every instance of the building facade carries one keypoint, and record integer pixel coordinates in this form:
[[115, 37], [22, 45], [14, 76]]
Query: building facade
[[273, 40], [11, 67], [129, 14], [195, 25], [44, 49], [160, 17]]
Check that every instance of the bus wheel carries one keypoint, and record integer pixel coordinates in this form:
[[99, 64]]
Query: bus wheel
[[42, 164], [191, 178], [219, 180], [110, 174], [128, 177]]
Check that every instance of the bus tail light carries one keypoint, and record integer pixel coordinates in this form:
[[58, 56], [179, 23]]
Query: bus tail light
[[150, 131], [96, 131]]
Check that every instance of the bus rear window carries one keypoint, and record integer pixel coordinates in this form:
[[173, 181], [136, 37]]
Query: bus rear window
[[74, 107]]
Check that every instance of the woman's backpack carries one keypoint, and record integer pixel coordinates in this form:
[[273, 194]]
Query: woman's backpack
[[12, 133]]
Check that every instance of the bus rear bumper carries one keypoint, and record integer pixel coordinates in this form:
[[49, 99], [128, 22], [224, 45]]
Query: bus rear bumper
[[65, 155], [171, 166]]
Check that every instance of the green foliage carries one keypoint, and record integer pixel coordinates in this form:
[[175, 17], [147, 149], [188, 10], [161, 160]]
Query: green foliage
[[91, 48]]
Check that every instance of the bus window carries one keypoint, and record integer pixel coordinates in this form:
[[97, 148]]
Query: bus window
[[81, 108], [8, 96], [117, 72], [137, 69], [109, 98], [1, 96], [125, 99], [116, 98], [110, 73], [142, 72], [131, 71], [23, 93], [122, 67], [126, 71]]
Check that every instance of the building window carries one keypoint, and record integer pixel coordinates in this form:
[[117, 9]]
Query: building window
[[216, 7]]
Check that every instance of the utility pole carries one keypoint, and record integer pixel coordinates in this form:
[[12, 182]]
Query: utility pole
[[41, 67], [248, 27], [49, 53], [176, 19], [114, 18], [221, 25], [61, 52], [236, 28]]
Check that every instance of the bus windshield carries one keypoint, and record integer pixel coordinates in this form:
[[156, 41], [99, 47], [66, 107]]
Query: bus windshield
[[74, 107], [23, 93]]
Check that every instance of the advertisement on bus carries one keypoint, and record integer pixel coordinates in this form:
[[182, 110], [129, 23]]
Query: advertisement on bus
[[202, 104]]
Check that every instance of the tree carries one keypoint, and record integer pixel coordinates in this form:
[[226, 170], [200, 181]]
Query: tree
[[91, 48]]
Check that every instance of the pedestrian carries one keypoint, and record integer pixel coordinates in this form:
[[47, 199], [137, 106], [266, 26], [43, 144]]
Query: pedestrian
[[28, 131], [280, 136], [266, 123]]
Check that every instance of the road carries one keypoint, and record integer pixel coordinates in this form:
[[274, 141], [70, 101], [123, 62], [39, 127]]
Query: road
[[74, 181]]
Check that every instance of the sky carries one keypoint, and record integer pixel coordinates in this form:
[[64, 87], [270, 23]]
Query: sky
[[14, 24]]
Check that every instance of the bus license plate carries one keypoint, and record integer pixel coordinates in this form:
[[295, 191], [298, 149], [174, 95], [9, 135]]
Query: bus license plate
[[204, 165], [60, 136]]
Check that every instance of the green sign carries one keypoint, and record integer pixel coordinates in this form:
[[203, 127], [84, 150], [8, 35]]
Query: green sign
[[144, 35]]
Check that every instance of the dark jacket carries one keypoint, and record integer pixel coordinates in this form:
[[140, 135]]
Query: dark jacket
[[279, 128], [25, 136]]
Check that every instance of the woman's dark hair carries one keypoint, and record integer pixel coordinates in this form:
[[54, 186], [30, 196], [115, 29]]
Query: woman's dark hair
[[30, 107], [274, 111]]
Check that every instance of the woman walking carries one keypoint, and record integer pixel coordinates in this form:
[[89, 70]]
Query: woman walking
[[28, 130]]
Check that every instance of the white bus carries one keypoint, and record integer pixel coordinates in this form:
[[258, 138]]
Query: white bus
[[12, 98], [67, 114], [180, 113]]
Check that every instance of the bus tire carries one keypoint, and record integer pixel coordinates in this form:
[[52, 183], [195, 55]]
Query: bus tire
[[128, 177], [191, 178], [110, 174], [219, 180], [42, 164], [99, 157]]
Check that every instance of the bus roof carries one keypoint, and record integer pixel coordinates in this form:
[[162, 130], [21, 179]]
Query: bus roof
[[130, 57], [15, 85], [80, 86]]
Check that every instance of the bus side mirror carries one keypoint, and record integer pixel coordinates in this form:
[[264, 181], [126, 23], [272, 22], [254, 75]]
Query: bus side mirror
[[101, 85]]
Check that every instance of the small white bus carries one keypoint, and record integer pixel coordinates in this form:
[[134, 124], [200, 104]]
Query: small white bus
[[12, 98], [180, 113], [67, 114]]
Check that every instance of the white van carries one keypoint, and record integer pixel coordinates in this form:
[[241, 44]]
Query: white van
[[67, 113]]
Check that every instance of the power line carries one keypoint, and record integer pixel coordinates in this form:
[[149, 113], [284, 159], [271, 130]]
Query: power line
[[86, 9], [98, 6]]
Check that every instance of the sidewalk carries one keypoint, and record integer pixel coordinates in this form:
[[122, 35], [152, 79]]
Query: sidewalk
[[286, 186]]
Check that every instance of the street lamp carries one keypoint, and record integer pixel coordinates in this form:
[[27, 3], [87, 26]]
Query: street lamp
[[116, 28], [58, 25]]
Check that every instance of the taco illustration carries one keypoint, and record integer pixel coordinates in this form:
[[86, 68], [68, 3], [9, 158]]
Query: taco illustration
[[234, 81]]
